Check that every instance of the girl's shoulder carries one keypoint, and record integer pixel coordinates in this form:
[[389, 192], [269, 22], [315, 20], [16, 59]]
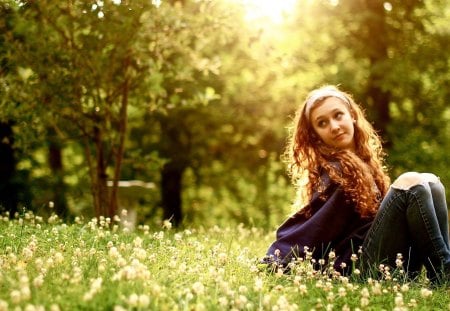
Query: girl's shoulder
[[324, 177]]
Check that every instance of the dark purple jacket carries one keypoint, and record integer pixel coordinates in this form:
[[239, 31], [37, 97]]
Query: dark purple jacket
[[334, 224]]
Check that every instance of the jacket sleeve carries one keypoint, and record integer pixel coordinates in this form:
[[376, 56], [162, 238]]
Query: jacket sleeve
[[333, 217]]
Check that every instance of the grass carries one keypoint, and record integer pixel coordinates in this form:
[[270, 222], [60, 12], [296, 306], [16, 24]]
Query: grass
[[101, 265]]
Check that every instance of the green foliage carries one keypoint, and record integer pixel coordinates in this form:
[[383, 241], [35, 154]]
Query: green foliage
[[392, 57], [261, 198], [102, 265], [208, 90]]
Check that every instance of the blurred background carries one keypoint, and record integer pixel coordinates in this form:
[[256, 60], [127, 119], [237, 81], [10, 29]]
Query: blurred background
[[180, 110]]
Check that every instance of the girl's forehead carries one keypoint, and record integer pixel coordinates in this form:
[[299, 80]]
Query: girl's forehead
[[326, 106]]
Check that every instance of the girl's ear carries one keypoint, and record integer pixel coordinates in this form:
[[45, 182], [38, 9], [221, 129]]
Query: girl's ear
[[353, 114]]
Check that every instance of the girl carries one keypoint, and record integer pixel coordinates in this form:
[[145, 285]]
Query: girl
[[346, 204]]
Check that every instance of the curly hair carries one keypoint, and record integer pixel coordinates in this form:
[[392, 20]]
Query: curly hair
[[361, 174]]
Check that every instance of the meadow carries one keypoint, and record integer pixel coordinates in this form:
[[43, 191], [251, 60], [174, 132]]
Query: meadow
[[46, 264]]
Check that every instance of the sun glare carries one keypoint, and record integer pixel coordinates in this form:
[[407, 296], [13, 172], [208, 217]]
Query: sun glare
[[272, 10]]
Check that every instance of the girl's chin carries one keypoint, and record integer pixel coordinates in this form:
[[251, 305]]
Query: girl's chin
[[345, 146]]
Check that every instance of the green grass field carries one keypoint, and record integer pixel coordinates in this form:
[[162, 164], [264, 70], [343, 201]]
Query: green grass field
[[99, 265]]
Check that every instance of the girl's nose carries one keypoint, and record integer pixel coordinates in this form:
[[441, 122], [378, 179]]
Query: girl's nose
[[334, 126]]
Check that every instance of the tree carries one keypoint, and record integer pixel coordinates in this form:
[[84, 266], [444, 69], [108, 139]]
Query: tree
[[101, 59], [12, 180], [391, 55], [81, 81]]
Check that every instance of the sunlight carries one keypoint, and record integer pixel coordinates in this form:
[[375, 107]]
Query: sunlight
[[273, 10]]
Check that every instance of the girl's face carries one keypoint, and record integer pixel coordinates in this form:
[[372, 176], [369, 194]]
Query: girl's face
[[333, 122]]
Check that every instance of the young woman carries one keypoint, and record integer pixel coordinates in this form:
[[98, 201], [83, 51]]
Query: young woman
[[347, 207]]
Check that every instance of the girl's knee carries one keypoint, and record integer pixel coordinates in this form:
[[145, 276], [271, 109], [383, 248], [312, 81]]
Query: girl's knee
[[410, 179]]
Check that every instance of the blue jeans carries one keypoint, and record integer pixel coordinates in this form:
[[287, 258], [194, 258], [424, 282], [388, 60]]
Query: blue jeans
[[413, 221]]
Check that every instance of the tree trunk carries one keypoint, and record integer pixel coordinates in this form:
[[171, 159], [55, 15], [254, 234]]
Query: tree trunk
[[378, 55], [56, 167], [123, 118], [171, 186], [8, 190], [380, 99], [101, 178]]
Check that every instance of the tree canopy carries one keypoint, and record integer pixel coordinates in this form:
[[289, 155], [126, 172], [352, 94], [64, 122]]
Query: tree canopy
[[195, 97]]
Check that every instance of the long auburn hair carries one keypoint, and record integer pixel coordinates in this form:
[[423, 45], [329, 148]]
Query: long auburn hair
[[361, 174]]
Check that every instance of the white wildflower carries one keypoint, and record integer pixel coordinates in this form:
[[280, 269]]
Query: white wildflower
[[198, 288], [425, 292]]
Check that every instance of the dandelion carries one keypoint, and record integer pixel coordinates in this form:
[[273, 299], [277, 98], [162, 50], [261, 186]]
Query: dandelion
[[364, 302], [198, 306], [283, 303], [223, 301], [189, 296], [59, 258], [365, 292], [23, 280], [140, 253], [330, 297], [277, 253], [167, 224], [27, 253], [222, 258], [303, 289], [96, 285], [425, 292], [25, 292], [332, 255], [143, 301], [319, 284], [243, 289], [15, 296], [279, 273], [137, 242], [53, 219], [198, 288], [240, 301], [399, 260], [258, 284], [173, 263], [404, 288], [133, 300], [346, 308], [412, 303], [278, 288], [254, 269], [38, 281], [266, 300], [376, 289], [398, 300], [3, 305]]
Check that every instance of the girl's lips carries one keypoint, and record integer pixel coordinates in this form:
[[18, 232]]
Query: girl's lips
[[339, 137]]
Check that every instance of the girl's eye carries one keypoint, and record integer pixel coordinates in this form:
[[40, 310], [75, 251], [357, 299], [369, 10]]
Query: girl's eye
[[321, 124], [339, 115]]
